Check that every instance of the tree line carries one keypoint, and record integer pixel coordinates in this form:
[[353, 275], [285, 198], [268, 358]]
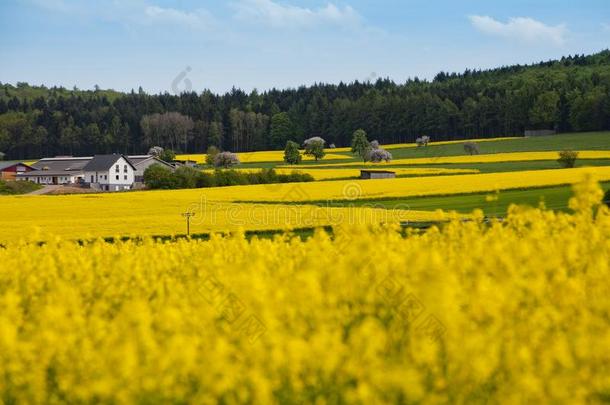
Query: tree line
[[570, 94]]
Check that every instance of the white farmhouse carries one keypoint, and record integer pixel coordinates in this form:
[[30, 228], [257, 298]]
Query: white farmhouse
[[109, 173]]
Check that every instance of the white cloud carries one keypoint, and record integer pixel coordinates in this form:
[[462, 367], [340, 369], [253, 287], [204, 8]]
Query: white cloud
[[140, 12], [275, 14], [521, 28], [193, 19]]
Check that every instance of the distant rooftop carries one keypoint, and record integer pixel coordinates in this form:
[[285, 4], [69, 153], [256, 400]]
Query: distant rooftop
[[4, 165], [62, 164], [68, 158]]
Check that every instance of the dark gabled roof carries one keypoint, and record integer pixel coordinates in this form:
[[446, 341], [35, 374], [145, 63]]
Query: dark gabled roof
[[136, 160], [62, 164], [6, 165], [104, 162]]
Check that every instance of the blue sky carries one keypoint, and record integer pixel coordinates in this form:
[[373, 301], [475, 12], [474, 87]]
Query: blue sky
[[282, 43]]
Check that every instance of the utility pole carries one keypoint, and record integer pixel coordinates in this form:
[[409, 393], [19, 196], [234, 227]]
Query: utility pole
[[188, 216]]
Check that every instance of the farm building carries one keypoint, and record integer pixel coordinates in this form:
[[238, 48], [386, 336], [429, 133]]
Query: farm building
[[109, 172], [187, 163], [143, 162], [57, 170], [114, 172], [377, 174], [9, 170]]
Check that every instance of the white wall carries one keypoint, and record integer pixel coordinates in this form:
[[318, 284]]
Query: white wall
[[126, 176], [68, 179]]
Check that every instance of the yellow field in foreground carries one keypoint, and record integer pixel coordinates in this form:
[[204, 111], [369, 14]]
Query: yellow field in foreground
[[486, 158], [275, 156], [326, 174], [159, 213], [514, 313]]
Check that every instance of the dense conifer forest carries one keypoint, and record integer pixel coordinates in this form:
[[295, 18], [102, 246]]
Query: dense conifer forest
[[571, 94]]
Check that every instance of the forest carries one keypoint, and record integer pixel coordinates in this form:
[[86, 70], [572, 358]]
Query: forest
[[570, 94]]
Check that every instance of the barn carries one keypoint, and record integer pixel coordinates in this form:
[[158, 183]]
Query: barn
[[143, 162], [377, 174], [9, 170], [57, 170]]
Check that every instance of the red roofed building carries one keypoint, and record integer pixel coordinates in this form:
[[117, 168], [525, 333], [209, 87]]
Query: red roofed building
[[9, 170]]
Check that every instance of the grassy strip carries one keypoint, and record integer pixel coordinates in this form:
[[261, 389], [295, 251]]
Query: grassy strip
[[555, 197], [483, 167], [399, 176], [303, 233], [17, 187]]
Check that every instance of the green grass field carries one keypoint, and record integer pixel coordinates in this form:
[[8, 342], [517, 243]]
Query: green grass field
[[576, 141], [555, 198], [516, 166]]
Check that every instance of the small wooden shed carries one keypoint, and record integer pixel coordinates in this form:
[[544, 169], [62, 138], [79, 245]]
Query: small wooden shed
[[377, 174]]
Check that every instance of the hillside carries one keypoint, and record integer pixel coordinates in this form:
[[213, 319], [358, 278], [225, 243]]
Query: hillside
[[571, 94]]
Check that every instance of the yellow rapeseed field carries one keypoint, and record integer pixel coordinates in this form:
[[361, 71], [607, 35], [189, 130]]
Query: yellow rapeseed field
[[278, 155], [221, 208], [89, 216], [414, 145], [512, 313], [485, 158], [326, 174], [274, 156], [406, 187]]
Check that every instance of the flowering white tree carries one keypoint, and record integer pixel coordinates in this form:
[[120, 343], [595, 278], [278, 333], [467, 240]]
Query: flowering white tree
[[422, 141], [155, 151], [378, 155], [226, 159], [315, 147]]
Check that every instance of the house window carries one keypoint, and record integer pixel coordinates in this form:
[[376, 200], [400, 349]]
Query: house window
[[116, 168], [125, 168], [91, 178], [125, 177], [117, 176]]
